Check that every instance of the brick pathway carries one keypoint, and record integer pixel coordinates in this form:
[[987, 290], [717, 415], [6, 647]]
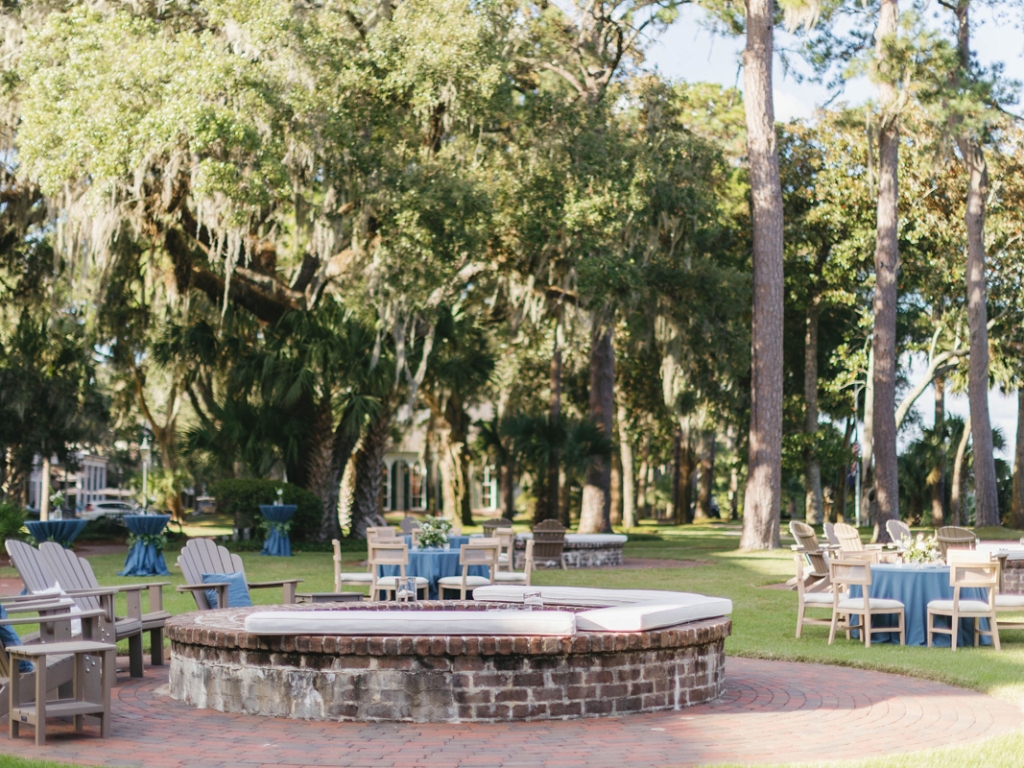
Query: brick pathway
[[772, 711]]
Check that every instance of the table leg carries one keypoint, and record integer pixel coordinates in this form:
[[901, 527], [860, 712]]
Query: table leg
[[15, 697], [108, 683], [40, 701], [78, 687]]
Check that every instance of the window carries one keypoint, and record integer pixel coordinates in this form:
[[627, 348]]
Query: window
[[417, 488], [489, 489], [387, 488]]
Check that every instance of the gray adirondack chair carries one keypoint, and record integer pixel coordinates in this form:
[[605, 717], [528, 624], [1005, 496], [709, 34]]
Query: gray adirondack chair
[[38, 576], [201, 556], [74, 573], [55, 622]]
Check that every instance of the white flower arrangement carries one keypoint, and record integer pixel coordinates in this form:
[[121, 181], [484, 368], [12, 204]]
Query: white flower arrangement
[[920, 550], [434, 532]]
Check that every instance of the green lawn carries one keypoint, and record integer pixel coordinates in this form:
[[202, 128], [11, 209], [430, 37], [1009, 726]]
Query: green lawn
[[763, 620]]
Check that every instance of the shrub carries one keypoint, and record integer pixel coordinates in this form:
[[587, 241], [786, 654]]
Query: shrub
[[12, 521], [242, 498]]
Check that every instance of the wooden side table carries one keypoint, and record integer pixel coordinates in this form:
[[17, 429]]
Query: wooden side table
[[35, 713], [329, 597]]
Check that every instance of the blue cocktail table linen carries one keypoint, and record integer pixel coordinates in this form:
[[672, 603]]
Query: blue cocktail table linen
[[915, 586], [145, 559], [278, 543], [62, 531], [434, 564]]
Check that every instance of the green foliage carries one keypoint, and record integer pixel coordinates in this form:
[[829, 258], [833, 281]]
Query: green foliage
[[12, 521], [242, 499]]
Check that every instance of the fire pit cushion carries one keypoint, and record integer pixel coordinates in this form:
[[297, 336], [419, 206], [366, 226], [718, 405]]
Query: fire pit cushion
[[584, 597], [653, 615], [361, 622]]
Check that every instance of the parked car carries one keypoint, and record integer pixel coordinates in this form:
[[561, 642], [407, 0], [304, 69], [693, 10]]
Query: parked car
[[110, 509]]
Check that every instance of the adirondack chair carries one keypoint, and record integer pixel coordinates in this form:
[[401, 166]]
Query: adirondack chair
[[55, 622], [75, 573], [201, 556], [38, 577]]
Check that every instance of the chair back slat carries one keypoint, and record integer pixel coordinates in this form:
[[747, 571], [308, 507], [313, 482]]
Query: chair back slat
[[850, 572], [490, 526], [897, 530], [849, 538], [380, 532], [973, 570], [201, 556], [805, 536], [830, 533], [29, 563], [388, 552], [66, 568], [480, 552], [507, 540], [952, 537], [549, 540]]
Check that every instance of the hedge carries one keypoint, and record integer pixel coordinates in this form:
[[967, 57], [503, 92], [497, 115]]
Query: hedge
[[242, 498]]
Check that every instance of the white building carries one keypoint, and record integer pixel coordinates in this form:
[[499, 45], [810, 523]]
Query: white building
[[80, 488]]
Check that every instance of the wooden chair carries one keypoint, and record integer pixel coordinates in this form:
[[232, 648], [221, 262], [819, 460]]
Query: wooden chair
[[478, 552], [359, 578], [201, 556], [75, 573], [374, 532], [549, 543], [393, 551], [55, 669], [848, 573], [523, 577], [849, 539], [506, 556], [897, 530], [816, 597], [830, 534], [951, 537], [490, 526], [807, 545], [48, 569], [971, 570], [1007, 603], [409, 524]]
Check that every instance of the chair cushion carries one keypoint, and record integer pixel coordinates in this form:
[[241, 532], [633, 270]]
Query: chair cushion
[[357, 578], [238, 591], [362, 622], [390, 582], [818, 598], [9, 637], [471, 581], [966, 606], [1010, 601], [644, 616], [510, 577], [57, 591], [876, 604]]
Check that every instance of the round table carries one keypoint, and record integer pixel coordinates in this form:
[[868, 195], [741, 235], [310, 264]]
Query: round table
[[146, 557], [62, 531], [454, 542], [278, 543], [433, 564], [915, 585]]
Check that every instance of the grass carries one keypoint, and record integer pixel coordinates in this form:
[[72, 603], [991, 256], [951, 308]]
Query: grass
[[763, 620]]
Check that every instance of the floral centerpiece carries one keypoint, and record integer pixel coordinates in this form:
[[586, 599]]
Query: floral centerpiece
[[434, 532], [920, 550]]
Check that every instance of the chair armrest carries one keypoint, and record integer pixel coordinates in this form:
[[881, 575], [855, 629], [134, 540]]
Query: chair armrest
[[93, 592], [221, 587], [262, 584], [40, 605]]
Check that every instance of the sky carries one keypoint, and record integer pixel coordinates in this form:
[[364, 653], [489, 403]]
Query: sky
[[689, 51]]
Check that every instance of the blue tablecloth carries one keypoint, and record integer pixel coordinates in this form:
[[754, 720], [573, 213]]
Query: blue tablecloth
[[278, 544], [61, 531], [145, 558], [915, 586], [433, 564]]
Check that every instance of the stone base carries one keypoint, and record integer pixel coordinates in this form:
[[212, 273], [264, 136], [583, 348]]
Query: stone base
[[215, 664], [1013, 578], [579, 556]]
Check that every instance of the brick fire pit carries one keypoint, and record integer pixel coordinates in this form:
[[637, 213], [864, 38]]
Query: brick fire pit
[[216, 664]]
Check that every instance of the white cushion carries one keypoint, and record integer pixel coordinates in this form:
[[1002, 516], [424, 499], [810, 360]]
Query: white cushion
[[357, 578], [586, 597], [361, 622], [876, 603], [1009, 601], [818, 598], [390, 582], [510, 577], [652, 615], [58, 592], [471, 581], [966, 606]]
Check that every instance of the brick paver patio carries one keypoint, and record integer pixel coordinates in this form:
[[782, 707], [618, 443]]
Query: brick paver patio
[[771, 711]]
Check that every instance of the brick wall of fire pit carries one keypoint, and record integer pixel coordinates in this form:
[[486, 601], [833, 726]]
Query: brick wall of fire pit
[[216, 664]]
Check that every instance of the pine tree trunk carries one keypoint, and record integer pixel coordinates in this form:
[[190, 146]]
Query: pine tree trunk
[[706, 475], [628, 477], [812, 467], [937, 477], [367, 502], [1018, 465], [887, 263], [763, 499], [955, 493], [595, 515]]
